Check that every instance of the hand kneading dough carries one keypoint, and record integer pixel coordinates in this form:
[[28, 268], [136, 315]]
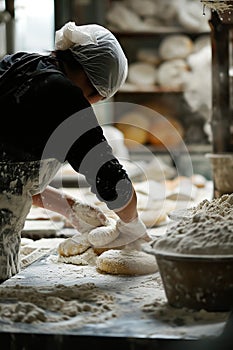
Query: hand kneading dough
[[126, 262]]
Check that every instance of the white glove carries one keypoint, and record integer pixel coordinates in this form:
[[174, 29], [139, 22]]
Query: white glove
[[130, 235], [85, 217]]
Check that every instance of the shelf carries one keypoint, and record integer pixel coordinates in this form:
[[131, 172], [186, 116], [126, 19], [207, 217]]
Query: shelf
[[150, 89], [192, 148], [157, 31]]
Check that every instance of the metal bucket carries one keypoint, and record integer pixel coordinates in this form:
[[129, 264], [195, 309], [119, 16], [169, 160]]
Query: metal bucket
[[222, 169]]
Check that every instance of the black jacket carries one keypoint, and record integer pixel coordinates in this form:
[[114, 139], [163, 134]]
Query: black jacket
[[44, 115]]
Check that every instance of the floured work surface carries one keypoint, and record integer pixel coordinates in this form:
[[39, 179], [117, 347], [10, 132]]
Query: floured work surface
[[50, 297]]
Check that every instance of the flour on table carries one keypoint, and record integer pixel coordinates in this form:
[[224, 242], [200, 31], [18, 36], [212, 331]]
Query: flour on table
[[161, 310], [86, 258], [59, 303], [31, 250], [79, 297]]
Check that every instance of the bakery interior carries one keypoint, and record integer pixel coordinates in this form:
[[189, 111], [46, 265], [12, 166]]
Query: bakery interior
[[171, 125]]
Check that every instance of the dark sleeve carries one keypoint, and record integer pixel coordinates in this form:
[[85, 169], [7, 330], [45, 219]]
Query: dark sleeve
[[42, 118], [92, 156], [73, 134]]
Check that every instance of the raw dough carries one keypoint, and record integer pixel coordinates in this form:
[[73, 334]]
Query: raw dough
[[134, 126], [142, 73], [103, 235], [88, 257], [152, 218], [166, 132], [126, 262], [148, 55], [173, 73], [189, 16], [177, 46], [74, 245]]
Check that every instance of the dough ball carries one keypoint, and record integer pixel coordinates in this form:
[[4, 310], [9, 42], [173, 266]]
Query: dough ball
[[152, 218], [173, 74], [201, 42], [86, 258], [73, 246], [142, 8], [142, 73], [122, 18], [166, 132], [172, 184], [166, 11], [126, 262], [175, 46], [148, 55], [190, 18], [198, 180], [135, 128]]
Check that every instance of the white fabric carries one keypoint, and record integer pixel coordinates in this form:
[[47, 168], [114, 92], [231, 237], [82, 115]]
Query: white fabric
[[130, 235]]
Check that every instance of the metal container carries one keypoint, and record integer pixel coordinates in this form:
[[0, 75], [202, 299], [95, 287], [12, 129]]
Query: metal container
[[196, 282], [222, 169]]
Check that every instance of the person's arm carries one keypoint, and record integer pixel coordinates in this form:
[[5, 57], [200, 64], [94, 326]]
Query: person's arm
[[82, 216], [54, 200], [132, 230], [86, 218], [129, 212]]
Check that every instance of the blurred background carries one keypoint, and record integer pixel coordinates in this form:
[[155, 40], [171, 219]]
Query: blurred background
[[168, 46]]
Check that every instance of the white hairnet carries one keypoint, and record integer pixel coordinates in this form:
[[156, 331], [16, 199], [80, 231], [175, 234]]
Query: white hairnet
[[98, 52]]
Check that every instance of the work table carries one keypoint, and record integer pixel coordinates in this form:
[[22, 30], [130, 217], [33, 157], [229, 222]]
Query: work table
[[76, 305], [128, 309]]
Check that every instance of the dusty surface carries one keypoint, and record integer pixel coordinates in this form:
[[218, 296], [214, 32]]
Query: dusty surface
[[50, 296]]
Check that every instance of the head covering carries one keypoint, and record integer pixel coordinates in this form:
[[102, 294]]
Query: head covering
[[98, 52]]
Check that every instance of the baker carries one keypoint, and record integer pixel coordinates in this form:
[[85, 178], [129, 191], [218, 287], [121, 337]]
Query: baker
[[48, 120]]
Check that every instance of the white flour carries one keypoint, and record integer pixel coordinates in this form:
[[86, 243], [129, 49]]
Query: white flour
[[59, 303], [208, 230], [221, 206], [87, 258], [68, 305], [107, 298]]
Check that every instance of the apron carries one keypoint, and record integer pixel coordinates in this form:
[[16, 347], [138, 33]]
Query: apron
[[18, 183]]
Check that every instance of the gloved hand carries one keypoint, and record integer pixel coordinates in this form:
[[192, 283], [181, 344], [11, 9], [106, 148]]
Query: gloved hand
[[85, 217], [129, 235]]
